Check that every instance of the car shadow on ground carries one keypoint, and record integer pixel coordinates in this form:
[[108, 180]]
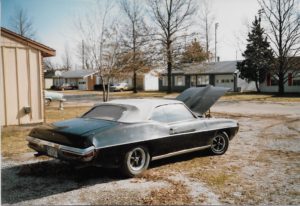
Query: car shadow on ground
[[37, 180], [42, 179]]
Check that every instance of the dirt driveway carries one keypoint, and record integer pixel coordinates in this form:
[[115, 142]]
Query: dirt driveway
[[262, 166]]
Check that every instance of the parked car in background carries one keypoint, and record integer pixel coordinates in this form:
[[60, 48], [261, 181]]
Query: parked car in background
[[53, 96], [129, 133], [67, 86], [119, 87]]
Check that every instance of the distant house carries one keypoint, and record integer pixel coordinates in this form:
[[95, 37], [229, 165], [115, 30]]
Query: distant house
[[292, 85], [83, 79], [48, 79], [222, 74], [150, 81], [21, 79], [146, 81]]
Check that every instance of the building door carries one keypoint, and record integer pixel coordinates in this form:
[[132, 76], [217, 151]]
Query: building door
[[82, 84], [193, 81]]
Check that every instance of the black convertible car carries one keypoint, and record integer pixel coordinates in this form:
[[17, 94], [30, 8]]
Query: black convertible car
[[130, 133]]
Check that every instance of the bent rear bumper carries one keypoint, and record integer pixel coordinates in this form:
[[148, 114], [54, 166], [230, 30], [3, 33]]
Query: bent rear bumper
[[61, 151]]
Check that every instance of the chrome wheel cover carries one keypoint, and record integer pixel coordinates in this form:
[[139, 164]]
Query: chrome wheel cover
[[136, 159], [218, 144]]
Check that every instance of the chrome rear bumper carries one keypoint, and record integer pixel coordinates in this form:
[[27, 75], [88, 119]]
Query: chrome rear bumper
[[61, 151]]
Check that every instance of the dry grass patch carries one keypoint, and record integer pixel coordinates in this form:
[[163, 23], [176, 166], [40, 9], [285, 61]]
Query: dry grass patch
[[225, 182], [175, 194], [54, 114], [77, 92], [130, 94], [115, 94], [13, 140], [260, 97], [214, 179]]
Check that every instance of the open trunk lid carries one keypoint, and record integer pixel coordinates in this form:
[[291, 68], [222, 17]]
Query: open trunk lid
[[200, 99]]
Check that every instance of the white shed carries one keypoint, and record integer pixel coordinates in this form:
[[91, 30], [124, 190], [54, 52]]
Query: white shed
[[151, 81], [21, 79]]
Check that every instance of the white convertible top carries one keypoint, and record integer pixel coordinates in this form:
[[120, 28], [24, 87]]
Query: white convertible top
[[138, 110]]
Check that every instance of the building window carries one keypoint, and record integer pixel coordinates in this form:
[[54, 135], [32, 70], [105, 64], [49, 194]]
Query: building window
[[203, 80], [193, 81], [296, 80], [165, 80], [179, 80], [272, 80]]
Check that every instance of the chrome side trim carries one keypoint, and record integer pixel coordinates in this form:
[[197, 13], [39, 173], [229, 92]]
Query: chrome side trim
[[73, 150], [180, 152]]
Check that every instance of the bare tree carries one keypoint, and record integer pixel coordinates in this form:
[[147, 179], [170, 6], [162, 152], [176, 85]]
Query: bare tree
[[48, 64], [83, 53], [22, 23], [102, 42], [171, 17], [135, 36], [66, 59], [207, 19], [111, 64], [284, 21]]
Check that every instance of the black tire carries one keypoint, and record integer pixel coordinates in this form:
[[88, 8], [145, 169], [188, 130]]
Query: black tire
[[135, 161], [219, 144]]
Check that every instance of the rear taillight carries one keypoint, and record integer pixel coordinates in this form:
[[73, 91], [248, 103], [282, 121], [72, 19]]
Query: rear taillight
[[85, 158]]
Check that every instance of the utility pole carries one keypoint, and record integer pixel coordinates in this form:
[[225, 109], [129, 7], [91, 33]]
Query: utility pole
[[216, 27], [82, 48]]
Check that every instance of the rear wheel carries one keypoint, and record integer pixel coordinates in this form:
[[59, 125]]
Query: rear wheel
[[219, 144], [135, 161]]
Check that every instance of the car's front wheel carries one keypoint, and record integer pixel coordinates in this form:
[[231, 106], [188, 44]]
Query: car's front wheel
[[136, 160], [219, 143]]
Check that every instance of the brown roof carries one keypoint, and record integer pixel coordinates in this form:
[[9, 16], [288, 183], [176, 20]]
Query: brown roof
[[46, 51]]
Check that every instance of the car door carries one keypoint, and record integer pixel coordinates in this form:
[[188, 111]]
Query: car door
[[182, 125], [185, 128]]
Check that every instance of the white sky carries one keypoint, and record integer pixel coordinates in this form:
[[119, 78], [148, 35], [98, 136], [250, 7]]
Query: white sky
[[54, 21], [233, 17]]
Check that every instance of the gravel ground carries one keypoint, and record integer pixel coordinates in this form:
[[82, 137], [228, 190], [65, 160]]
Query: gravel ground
[[261, 166]]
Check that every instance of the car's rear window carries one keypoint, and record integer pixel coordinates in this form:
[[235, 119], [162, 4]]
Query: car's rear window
[[107, 112]]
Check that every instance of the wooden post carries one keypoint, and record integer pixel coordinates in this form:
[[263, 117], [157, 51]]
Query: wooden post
[[61, 104]]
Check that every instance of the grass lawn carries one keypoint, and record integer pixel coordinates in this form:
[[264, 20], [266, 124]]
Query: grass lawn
[[53, 114], [248, 96], [115, 94], [253, 96], [13, 139]]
